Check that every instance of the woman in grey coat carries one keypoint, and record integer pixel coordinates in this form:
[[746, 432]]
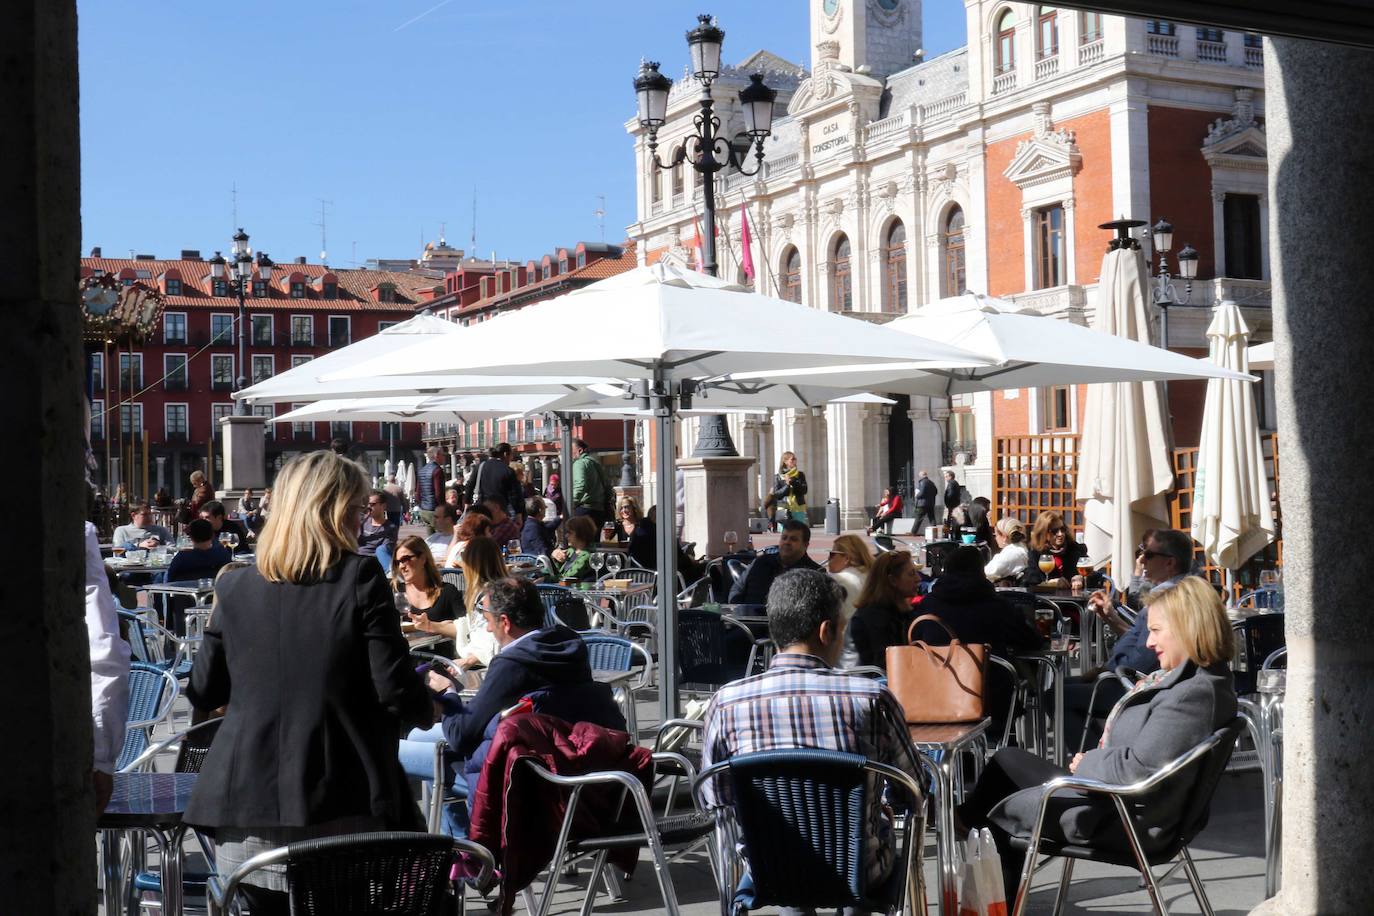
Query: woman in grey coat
[[1163, 716]]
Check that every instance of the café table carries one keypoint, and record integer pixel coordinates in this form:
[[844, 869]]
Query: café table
[[1054, 660], [940, 747], [1264, 716], [417, 640], [149, 803], [618, 598]]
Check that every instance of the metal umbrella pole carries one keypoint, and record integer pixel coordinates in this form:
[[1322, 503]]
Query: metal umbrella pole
[[666, 535]]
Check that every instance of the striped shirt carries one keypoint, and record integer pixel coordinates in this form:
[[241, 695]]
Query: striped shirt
[[800, 702]]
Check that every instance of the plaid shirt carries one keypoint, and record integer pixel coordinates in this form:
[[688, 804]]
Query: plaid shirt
[[801, 702]]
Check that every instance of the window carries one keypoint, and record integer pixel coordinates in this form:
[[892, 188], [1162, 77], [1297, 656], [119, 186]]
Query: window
[[263, 368], [299, 360], [173, 287], [547, 271], [961, 433], [341, 429], [1049, 247], [267, 412], [383, 325], [297, 289], [1160, 27], [262, 330], [217, 287], [130, 371], [1058, 408], [790, 276], [302, 430], [841, 281], [221, 372], [894, 269], [677, 182], [174, 328], [953, 276], [217, 413], [302, 331], [655, 188], [1005, 59], [1090, 27], [97, 419], [259, 289], [174, 418], [174, 371], [338, 331], [386, 292], [1213, 35], [1254, 41], [330, 290], [97, 369], [1241, 229], [221, 328], [131, 419], [1047, 32], [582, 259]]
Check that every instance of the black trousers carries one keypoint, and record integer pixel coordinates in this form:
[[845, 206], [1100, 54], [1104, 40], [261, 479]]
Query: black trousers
[[1009, 771], [595, 515], [922, 513]]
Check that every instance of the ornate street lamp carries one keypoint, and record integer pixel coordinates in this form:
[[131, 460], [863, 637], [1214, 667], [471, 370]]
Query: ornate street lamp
[[710, 153], [242, 275]]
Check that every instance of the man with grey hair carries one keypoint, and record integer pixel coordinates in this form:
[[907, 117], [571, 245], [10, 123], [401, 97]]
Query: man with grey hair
[[802, 701]]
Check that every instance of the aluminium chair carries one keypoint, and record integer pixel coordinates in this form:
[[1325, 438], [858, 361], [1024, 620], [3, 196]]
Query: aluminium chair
[[614, 653]]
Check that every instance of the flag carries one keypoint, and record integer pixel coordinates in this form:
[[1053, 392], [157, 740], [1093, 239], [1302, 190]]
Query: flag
[[747, 259], [697, 261]]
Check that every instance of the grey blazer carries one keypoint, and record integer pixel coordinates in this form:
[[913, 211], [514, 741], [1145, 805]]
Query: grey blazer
[[1154, 726]]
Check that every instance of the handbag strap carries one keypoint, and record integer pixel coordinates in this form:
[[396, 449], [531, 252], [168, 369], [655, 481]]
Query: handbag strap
[[953, 639]]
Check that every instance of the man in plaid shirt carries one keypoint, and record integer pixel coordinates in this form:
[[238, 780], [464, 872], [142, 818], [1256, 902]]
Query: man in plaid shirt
[[802, 702]]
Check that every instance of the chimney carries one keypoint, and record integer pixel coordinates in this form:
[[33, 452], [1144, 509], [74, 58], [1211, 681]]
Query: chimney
[[300, 259], [95, 252], [190, 254]]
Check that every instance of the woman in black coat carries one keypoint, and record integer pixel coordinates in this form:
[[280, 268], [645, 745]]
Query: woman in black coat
[[883, 609], [306, 650], [1050, 537]]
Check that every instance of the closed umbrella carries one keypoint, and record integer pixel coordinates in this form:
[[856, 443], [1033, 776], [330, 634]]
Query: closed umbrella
[[1124, 470], [1232, 517]]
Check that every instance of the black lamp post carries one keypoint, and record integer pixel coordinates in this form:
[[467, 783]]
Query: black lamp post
[[1164, 293], [711, 152], [242, 276]]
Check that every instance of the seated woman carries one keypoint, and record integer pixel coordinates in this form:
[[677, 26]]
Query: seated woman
[[414, 575], [575, 562], [884, 608], [968, 604], [473, 643], [889, 509], [1012, 559], [849, 564], [1050, 537], [1179, 706], [633, 529]]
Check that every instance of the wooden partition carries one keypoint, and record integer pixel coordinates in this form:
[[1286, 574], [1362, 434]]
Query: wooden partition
[[1032, 474]]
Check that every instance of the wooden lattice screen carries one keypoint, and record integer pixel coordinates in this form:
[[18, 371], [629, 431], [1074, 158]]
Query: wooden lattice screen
[[1034, 473]]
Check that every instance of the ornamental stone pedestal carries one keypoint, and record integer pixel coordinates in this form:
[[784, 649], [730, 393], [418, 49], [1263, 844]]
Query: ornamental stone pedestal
[[244, 455], [717, 494]]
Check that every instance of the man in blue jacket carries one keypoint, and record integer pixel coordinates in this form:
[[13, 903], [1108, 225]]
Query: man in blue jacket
[[548, 664]]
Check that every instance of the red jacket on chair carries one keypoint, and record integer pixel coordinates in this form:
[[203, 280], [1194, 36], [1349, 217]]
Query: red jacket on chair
[[516, 814]]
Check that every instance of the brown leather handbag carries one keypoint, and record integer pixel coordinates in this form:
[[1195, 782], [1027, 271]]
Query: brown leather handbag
[[938, 685]]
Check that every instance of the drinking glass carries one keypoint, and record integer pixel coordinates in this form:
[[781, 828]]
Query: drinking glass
[[1047, 564], [402, 604], [731, 539], [597, 561], [232, 540], [614, 563], [513, 547]]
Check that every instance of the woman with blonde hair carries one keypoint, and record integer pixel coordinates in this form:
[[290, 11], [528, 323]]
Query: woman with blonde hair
[[789, 489], [306, 650], [1191, 696], [849, 563], [1012, 558], [884, 607], [637, 533], [473, 643]]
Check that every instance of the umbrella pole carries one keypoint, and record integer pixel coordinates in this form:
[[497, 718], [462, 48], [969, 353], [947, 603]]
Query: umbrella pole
[[666, 529]]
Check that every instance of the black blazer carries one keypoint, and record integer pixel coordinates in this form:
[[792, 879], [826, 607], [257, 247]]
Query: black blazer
[[319, 684], [873, 629]]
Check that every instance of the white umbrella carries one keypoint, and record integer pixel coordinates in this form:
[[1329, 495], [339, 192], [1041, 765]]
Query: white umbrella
[[421, 409], [662, 325], [1232, 518], [1261, 356], [1124, 471], [731, 396], [387, 469], [408, 477]]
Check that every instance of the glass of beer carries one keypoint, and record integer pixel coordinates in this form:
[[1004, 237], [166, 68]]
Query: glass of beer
[[1085, 568], [1046, 564]]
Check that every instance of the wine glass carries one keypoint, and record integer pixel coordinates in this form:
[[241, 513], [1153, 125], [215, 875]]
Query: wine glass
[[1046, 564], [231, 540], [731, 539], [597, 561], [402, 604], [614, 563]]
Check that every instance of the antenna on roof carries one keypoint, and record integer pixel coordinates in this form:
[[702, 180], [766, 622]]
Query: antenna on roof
[[355, 252], [600, 214], [473, 241], [442, 226], [234, 203], [324, 247]]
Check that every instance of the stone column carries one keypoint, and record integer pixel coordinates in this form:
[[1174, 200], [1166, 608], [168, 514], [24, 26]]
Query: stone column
[[716, 497], [1320, 184], [47, 861]]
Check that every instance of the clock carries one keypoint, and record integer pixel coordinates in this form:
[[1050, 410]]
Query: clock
[[831, 7]]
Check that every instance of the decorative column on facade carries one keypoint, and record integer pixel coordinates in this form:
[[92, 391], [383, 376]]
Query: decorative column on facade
[[926, 438], [847, 449], [545, 469]]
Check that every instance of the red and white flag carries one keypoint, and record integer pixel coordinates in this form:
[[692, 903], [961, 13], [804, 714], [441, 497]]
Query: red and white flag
[[698, 262], [747, 258]]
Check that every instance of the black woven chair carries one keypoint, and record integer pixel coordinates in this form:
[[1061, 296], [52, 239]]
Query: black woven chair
[[1257, 638], [365, 874], [713, 649], [802, 815], [1200, 769]]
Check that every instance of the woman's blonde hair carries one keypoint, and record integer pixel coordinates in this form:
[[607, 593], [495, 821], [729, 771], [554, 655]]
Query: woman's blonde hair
[[315, 516], [197, 477], [782, 461], [481, 564], [879, 589], [419, 549], [1197, 618], [1045, 522], [636, 515], [855, 551]]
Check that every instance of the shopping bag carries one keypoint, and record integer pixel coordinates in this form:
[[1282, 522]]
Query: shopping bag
[[969, 900], [980, 880]]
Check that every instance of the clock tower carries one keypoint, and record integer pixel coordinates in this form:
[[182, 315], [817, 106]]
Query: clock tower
[[883, 35]]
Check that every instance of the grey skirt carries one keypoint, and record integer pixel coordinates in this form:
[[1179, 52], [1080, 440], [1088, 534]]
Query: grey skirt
[[236, 845]]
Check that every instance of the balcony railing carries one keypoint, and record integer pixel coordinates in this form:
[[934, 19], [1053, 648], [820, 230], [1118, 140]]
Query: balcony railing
[[1162, 45], [1254, 57], [884, 128], [1046, 67], [1090, 52], [1212, 52], [1004, 82], [969, 449], [944, 107]]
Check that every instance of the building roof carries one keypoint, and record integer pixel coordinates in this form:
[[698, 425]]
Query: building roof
[[354, 293], [618, 259]]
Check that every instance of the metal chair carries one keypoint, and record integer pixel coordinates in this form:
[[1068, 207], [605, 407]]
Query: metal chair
[[530, 558], [432, 789], [401, 874], [803, 816], [150, 642], [1127, 677], [696, 594], [551, 595], [1200, 768], [713, 649], [152, 691], [613, 653]]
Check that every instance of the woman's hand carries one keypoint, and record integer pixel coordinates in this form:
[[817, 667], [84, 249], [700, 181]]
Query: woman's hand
[[559, 554], [423, 623], [1076, 583], [1073, 764]]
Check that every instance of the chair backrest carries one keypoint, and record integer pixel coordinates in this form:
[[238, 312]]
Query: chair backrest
[[531, 558], [454, 577], [609, 653], [635, 574], [195, 746], [1205, 774], [709, 654], [1023, 601], [802, 816], [1256, 639], [149, 689], [563, 605], [696, 594], [400, 874], [719, 580]]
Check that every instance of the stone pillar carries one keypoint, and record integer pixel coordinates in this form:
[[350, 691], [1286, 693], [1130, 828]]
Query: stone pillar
[[244, 455], [848, 454], [926, 438], [47, 861], [716, 492], [1321, 184]]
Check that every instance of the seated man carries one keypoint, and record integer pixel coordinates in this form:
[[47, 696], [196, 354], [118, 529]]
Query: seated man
[[550, 663], [141, 533], [205, 557], [753, 587], [213, 512], [445, 518], [377, 534], [800, 701]]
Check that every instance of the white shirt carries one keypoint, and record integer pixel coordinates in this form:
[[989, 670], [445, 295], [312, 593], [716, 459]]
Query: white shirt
[[1011, 560], [438, 545], [109, 660]]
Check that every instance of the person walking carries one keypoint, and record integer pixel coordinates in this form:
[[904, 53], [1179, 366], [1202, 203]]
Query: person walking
[[924, 503], [954, 495], [495, 480], [789, 489], [591, 492], [430, 484]]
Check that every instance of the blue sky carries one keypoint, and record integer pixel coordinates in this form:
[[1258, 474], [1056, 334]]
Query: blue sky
[[393, 111]]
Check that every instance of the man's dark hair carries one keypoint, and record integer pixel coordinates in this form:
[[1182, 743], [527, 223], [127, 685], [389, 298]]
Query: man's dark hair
[[200, 530], [446, 511], [139, 507], [338, 446], [1171, 543], [799, 601], [966, 561], [534, 506], [801, 527], [982, 501], [478, 509], [501, 450], [213, 507], [581, 443], [518, 600]]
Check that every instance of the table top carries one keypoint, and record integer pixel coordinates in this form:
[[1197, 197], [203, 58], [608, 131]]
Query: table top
[[634, 588], [417, 640], [147, 800], [949, 737], [182, 587]]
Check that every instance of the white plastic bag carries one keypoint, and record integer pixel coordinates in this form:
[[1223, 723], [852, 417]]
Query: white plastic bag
[[980, 880]]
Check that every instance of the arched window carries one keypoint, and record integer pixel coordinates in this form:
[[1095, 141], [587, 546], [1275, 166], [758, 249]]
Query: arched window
[[1005, 60], [841, 281], [894, 268], [789, 278], [953, 279], [1046, 32]]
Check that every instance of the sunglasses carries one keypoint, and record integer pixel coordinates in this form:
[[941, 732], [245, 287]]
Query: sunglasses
[[1151, 554], [407, 559]]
